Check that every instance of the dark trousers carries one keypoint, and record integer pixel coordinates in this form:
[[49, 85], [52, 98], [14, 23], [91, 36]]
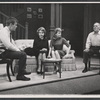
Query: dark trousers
[[93, 50], [17, 55], [31, 52]]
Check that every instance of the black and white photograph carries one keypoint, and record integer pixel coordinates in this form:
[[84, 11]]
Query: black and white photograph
[[50, 48]]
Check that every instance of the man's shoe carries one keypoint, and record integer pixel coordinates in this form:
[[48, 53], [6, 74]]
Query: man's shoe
[[84, 71], [38, 72], [23, 78], [26, 72]]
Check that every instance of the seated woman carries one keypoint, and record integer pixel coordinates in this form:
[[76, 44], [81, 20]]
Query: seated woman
[[40, 48], [59, 46]]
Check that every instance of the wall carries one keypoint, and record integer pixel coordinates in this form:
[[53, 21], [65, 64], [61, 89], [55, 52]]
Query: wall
[[73, 25], [37, 10]]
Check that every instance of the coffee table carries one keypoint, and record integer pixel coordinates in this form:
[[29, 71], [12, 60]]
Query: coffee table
[[56, 61]]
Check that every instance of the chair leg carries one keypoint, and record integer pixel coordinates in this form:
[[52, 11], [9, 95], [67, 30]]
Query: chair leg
[[8, 74], [89, 63], [99, 66], [12, 69]]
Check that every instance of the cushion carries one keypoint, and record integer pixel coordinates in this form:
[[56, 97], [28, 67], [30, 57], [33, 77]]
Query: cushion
[[24, 43]]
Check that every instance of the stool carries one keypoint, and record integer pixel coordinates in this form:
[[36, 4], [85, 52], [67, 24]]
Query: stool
[[54, 61]]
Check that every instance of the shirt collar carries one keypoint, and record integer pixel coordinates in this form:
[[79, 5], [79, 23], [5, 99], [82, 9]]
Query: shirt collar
[[7, 29], [98, 33]]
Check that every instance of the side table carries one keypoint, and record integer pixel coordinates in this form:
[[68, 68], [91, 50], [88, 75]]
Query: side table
[[56, 61]]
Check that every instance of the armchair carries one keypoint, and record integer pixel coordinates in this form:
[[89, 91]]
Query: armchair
[[8, 63], [90, 63]]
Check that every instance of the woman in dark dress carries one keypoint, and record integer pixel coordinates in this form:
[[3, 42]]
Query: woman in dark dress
[[40, 48]]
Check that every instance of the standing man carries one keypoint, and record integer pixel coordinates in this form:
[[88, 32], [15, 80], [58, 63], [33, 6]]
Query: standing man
[[92, 45], [12, 51]]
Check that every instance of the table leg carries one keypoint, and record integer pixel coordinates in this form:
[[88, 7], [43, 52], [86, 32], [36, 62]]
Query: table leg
[[60, 69], [43, 71]]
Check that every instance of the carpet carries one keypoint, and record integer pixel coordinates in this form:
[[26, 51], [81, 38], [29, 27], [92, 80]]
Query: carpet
[[49, 77]]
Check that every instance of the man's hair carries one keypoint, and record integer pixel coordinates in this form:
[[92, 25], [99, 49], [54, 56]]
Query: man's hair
[[11, 20]]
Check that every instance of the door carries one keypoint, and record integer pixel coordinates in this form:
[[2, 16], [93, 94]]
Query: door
[[73, 25]]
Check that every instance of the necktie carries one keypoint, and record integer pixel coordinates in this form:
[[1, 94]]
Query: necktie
[[10, 37]]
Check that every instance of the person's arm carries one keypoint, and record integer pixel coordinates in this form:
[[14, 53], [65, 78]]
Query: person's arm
[[65, 42], [35, 45], [6, 42], [68, 46], [50, 50], [88, 41]]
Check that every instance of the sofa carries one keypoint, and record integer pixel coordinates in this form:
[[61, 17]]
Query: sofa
[[68, 64]]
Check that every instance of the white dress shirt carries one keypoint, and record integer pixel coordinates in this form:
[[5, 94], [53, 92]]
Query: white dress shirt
[[5, 40], [93, 39]]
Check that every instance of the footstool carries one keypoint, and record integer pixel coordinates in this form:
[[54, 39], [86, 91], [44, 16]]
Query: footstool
[[69, 63], [54, 61]]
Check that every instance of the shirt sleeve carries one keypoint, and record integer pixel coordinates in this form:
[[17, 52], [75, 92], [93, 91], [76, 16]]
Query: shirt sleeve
[[35, 45], [65, 42], [88, 41], [6, 42]]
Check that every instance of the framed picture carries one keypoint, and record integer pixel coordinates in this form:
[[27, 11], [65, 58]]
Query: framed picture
[[29, 9], [40, 16], [34, 12], [40, 10], [29, 15]]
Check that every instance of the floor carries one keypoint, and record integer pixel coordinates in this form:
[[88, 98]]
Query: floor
[[50, 78]]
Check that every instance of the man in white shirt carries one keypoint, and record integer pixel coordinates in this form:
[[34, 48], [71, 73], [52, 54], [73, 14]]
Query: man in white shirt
[[12, 51], [92, 45]]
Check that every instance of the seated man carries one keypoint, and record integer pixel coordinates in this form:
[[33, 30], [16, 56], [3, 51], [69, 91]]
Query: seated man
[[92, 45], [12, 51]]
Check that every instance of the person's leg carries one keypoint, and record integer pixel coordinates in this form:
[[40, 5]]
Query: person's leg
[[66, 50], [53, 55], [57, 55], [22, 62], [56, 67], [44, 56], [39, 63], [85, 60], [86, 56], [29, 51]]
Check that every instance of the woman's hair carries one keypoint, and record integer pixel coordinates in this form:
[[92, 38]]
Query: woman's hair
[[11, 20], [57, 29], [55, 32], [41, 29]]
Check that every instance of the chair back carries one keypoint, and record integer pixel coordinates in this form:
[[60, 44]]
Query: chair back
[[1, 26]]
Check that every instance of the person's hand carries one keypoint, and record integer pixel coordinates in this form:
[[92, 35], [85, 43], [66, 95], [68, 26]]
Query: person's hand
[[48, 57], [86, 50], [44, 49]]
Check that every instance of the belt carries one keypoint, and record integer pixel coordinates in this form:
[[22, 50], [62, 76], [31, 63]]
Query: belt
[[98, 47], [95, 46]]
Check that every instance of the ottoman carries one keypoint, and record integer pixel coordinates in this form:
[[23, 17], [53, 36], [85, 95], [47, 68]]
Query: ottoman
[[69, 63]]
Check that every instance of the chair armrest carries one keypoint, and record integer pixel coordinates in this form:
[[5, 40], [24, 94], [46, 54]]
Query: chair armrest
[[3, 48]]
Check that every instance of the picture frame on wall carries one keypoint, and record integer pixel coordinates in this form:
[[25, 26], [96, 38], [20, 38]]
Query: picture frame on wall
[[40, 10], [29, 9], [40, 16], [29, 15]]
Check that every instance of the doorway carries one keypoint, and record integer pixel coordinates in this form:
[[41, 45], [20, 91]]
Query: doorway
[[73, 25]]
